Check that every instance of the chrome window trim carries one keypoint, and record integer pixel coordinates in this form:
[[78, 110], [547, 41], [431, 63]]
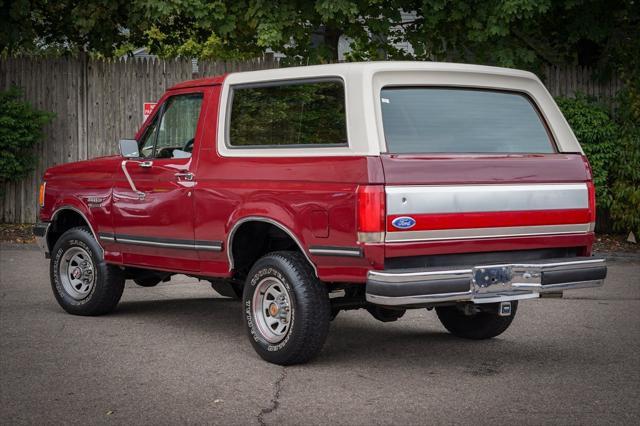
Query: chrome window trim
[[272, 222]]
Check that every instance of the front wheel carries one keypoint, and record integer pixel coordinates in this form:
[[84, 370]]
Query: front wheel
[[484, 324], [286, 309], [82, 282]]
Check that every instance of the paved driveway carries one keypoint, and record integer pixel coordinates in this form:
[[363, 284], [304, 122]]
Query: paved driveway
[[177, 353]]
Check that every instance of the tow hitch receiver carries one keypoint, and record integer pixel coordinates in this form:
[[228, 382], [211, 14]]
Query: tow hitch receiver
[[505, 309]]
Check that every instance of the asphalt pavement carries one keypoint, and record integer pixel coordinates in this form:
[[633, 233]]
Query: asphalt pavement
[[178, 354]]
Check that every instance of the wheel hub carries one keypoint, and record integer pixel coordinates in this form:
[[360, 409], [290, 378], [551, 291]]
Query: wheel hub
[[272, 309], [76, 272]]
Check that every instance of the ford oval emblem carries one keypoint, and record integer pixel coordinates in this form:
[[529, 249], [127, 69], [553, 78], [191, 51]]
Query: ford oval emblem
[[404, 222]]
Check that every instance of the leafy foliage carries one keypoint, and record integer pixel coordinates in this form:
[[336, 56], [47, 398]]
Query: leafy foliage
[[612, 145], [519, 33], [598, 136], [625, 205], [20, 129]]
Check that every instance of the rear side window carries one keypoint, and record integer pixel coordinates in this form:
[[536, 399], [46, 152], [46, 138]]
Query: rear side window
[[288, 115], [448, 120]]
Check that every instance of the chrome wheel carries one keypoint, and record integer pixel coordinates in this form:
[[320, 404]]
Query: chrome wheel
[[77, 273], [272, 309]]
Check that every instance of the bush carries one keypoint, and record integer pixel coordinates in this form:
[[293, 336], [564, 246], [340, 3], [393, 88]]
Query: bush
[[20, 129], [598, 135], [625, 203]]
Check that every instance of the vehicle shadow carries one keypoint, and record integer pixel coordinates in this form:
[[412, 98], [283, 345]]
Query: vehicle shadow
[[356, 338]]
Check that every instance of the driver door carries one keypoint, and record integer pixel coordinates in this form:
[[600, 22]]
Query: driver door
[[153, 196]]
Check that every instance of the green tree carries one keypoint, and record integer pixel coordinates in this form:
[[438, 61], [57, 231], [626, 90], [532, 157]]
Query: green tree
[[520, 33], [20, 129], [62, 26]]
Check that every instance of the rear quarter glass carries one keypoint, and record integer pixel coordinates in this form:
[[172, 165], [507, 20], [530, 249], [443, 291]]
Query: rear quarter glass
[[452, 120]]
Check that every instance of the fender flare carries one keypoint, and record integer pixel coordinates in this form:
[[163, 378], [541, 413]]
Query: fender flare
[[81, 213], [245, 219]]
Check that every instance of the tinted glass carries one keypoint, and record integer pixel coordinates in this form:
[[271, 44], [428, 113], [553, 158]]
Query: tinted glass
[[178, 126], [288, 115], [149, 139], [425, 120]]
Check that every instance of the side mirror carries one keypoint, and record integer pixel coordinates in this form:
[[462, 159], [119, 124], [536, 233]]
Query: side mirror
[[129, 148]]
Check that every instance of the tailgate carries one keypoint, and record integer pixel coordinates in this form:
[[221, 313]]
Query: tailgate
[[478, 163], [455, 197]]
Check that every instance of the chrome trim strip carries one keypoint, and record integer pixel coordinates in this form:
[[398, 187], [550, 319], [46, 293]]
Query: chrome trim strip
[[153, 243], [419, 300], [272, 222], [212, 247], [478, 233], [408, 200], [189, 246], [335, 251], [408, 277]]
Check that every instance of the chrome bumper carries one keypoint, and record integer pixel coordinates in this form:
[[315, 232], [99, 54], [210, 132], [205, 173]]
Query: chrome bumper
[[483, 283], [40, 230]]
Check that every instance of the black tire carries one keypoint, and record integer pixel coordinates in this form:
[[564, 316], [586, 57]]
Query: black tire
[[108, 280], [309, 308], [481, 325], [385, 314], [147, 282]]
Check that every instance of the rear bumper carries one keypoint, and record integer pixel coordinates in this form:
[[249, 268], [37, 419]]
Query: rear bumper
[[40, 230], [483, 283]]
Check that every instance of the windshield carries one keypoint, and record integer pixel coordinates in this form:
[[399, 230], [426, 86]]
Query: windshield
[[448, 120]]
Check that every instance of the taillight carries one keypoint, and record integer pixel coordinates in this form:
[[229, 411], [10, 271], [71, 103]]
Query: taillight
[[592, 203], [43, 186], [371, 213], [592, 193]]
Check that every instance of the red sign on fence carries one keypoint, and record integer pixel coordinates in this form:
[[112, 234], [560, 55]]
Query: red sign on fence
[[148, 109]]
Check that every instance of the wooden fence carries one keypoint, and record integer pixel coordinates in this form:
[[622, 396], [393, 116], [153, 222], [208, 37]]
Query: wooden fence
[[97, 102]]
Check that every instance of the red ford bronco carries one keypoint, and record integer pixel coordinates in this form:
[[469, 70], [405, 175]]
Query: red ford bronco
[[306, 191]]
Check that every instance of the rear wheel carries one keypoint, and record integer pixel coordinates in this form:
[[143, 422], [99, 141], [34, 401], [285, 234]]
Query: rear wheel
[[479, 325], [82, 282], [287, 310]]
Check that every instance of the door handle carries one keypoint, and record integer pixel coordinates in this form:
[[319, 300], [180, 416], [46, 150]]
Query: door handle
[[184, 176], [145, 164]]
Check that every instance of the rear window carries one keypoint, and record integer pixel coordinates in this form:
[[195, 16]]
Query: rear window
[[448, 120], [289, 114]]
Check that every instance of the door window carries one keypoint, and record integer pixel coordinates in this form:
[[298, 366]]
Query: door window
[[148, 139], [173, 134]]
